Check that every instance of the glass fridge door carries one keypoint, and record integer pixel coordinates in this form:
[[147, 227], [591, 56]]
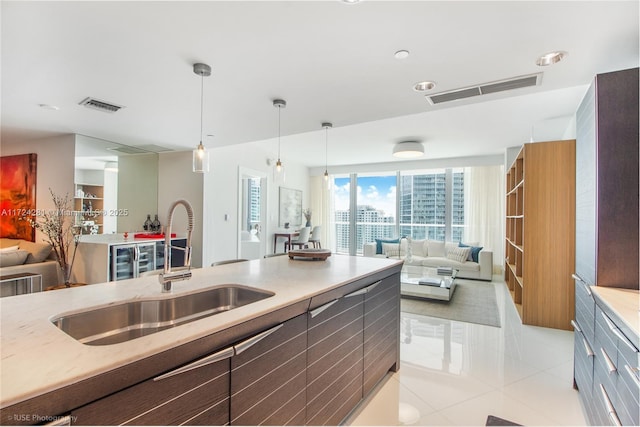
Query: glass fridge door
[[146, 258], [123, 262]]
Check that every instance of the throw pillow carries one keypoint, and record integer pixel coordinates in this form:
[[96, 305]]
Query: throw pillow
[[379, 243], [392, 250], [11, 258], [38, 252], [9, 248], [459, 254], [475, 250], [435, 248]]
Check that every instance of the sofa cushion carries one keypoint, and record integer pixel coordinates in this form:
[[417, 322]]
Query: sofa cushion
[[435, 262], [435, 248], [473, 254], [38, 252], [379, 243], [392, 250], [10, 248], [419, 247], [11, 258], [459, 254]]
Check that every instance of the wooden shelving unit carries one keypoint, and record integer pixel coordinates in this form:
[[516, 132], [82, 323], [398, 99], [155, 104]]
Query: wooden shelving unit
[[89, 205], [540, 233]]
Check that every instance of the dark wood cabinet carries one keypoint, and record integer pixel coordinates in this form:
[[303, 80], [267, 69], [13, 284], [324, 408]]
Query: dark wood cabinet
[[195, 394], [268, 379], [607, 181], [381, 331], [335, 362]]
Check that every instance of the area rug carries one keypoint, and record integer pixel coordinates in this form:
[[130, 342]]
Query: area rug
[[473, 302]]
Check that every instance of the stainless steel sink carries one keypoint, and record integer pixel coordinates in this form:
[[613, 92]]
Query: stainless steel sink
[[132, 319]]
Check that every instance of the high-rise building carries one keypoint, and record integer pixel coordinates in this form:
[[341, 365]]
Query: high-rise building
[[423, 212]]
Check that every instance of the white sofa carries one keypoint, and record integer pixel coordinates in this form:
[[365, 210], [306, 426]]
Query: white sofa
[[433, 253], [19, 256]]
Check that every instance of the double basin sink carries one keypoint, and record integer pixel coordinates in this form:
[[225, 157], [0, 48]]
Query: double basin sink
[[132, 319]]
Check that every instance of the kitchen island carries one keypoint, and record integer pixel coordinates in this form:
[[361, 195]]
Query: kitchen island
[[336, 322]]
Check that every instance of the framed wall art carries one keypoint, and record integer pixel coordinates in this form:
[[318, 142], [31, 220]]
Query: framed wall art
[[290, 207], [17, 195]]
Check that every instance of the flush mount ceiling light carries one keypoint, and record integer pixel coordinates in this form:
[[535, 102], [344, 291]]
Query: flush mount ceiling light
[[408, 149], [200, 155], [279, 176], [424, 86], [551, 58], [401, 54]]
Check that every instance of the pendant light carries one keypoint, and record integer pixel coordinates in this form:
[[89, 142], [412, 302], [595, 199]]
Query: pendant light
[[279, 171], [326, 126], [200, 154]]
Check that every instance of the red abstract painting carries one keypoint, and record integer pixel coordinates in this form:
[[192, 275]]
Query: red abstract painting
[[17, 195]]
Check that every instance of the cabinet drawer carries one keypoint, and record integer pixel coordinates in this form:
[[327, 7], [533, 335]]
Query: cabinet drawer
[[199, 396], [334, 360], [268, 380], [381, 321], [585, 310], [583, 374], [628, 385]]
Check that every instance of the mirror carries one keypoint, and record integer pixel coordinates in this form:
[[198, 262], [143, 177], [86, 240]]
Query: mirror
[[119, 180], [252, 213]]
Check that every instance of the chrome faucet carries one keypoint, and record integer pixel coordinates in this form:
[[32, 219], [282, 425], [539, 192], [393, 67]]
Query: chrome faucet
[[184, 274]]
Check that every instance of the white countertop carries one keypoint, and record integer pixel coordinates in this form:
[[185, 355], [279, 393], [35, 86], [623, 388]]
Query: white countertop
[[624, 302], [36, 357]]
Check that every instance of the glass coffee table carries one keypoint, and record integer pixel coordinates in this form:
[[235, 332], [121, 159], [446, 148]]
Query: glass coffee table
[[428, 283]]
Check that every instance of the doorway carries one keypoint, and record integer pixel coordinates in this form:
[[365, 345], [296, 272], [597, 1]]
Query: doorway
[[252, 213]]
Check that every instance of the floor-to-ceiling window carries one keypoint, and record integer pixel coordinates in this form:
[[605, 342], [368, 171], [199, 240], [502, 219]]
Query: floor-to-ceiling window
[[419, 204]]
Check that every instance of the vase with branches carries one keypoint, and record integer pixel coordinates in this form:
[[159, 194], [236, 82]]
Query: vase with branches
[[58, 229], [307, 216]]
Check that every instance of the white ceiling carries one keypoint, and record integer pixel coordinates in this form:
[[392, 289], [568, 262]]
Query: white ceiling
[[329, 60]]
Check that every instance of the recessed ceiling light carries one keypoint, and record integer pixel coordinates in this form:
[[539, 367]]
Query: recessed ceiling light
[[551, 58], [350, 1], [424, 86], [49, 107], [401, 54]]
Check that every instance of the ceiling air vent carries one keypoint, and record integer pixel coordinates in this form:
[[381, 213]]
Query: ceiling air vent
[[485, 88], [96, 104]]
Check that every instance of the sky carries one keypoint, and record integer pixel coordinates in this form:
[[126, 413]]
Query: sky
[[376, 191]]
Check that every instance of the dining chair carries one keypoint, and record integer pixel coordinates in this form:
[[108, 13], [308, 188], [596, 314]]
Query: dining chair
[[302, 241], [315, 236]]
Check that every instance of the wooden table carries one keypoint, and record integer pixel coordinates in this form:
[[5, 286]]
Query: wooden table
[[287, 234]]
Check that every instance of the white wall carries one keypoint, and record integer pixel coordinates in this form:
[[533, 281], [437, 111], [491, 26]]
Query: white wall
[[176, 181], [222, 190], [55, 167], [137, 190]]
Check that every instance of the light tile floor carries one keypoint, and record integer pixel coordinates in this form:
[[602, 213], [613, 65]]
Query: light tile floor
[[456, 374]]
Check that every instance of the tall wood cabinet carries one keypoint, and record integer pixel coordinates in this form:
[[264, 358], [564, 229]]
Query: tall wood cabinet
[[540, 233], [607, 182]]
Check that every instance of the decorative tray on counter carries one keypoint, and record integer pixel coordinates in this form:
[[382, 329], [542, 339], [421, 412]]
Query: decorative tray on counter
[[310, 254]]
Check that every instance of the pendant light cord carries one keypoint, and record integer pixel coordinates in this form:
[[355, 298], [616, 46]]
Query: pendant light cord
[[279, 108], [326, 145], [201, 103]]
